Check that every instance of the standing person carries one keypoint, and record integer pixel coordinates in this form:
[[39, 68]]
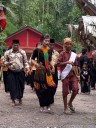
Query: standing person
[[85, 79], [5, 73], [30, 76], [53, 56], [83, 58], [66, 60], [93, 71], [43, 81], [16, 60], [93, 74]]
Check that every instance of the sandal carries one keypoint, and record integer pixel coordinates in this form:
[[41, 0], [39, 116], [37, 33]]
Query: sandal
[[41, 109], [72, 108], [13, 103], [67, 112], [20, 101]]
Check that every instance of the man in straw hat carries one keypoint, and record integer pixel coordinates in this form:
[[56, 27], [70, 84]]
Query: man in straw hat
[[66, 60]]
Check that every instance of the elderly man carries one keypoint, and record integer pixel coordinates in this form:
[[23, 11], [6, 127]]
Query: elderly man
[[66, 60], [16, 60]]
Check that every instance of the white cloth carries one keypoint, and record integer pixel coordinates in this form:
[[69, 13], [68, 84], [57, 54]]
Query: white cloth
[[89, 25], [55, 55], [68, 67]]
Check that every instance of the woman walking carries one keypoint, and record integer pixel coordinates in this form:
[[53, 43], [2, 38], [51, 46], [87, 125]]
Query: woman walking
[[43, 81]]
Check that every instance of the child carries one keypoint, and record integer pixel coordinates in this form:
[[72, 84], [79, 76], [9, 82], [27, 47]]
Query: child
[[85, 79]]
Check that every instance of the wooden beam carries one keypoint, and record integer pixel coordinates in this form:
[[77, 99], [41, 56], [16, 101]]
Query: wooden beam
[[90, 6], [87, 7]]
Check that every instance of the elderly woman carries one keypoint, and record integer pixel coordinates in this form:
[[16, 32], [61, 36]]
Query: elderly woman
[[43, 81]]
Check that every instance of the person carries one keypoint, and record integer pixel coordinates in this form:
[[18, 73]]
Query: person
[[30, 76], [66, 60], [5, 73], [43, 81], [16, 60], [53, 55], [83, 58], [93, 71], [85, 79], [3, 21]]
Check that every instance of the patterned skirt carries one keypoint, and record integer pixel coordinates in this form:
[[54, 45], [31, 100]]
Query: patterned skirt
[[44, 91]]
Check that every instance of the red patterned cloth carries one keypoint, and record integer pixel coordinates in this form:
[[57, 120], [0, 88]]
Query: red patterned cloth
[[2, 21]]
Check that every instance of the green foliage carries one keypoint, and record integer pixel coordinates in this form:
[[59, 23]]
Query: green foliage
[[2, 47], [76, 44], [10, 28], [47, 16]]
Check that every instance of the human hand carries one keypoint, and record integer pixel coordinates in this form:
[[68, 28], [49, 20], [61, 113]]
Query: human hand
[[27, 71], [70, 62]]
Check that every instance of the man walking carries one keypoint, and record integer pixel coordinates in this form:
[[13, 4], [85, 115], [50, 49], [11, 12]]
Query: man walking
[[16, 60], [66, 60]]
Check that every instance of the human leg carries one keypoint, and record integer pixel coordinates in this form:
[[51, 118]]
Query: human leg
[[75, 89], [93, 83], [65, 93]]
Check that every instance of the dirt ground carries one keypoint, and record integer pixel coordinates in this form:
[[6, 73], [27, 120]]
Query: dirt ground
[[28, 115]]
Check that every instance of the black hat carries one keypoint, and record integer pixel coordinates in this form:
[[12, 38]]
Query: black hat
[[15, 42], [84, 50], [52, 41]]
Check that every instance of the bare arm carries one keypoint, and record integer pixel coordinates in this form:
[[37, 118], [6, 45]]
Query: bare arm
[[64, 63]]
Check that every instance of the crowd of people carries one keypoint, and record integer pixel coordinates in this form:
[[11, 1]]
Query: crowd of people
[[41, 73]]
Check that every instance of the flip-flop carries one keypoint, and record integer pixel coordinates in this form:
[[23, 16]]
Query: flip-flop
[[72, 108], [67, 112]]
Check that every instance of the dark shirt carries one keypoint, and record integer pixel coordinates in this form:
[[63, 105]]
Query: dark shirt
[[37, 53], [93, 70], [82, 60]]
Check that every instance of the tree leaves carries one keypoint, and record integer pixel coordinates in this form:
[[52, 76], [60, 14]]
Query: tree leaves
[[47, 16]]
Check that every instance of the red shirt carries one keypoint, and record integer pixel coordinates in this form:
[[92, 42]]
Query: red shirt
[[63, 57]]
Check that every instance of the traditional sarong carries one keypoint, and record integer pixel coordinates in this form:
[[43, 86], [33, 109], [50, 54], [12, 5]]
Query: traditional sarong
[[16, 81], [5, 79]]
